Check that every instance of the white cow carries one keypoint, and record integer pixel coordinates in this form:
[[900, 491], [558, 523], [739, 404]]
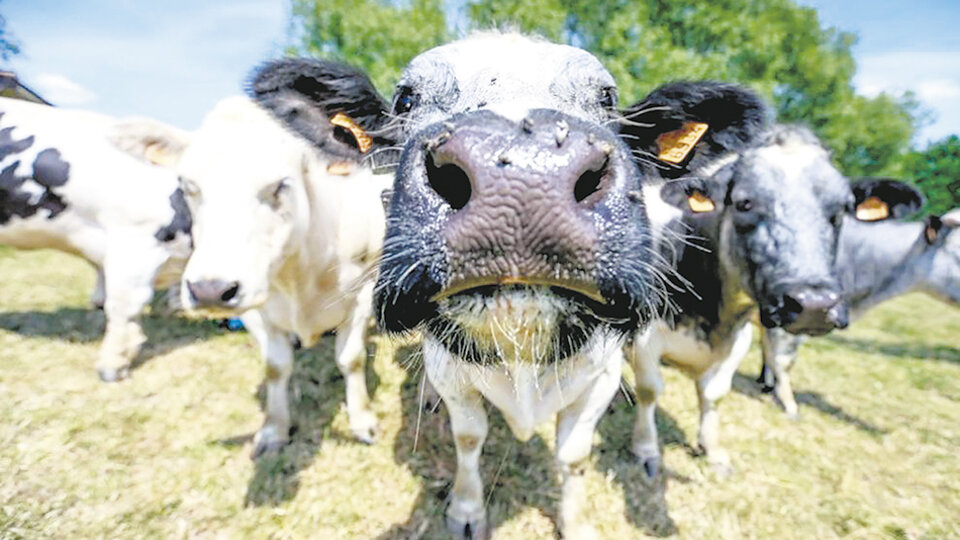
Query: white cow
[[64, 186], [286, 235]]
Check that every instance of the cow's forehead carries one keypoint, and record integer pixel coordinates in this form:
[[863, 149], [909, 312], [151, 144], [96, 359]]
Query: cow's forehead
[[795, 165], [509, 73], [240, 147]]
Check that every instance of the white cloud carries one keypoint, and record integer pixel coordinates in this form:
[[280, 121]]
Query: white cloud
[[934, 77], [60, 90]]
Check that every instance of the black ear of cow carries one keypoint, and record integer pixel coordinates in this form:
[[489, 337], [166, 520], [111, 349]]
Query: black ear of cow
[[308, 94], [901, 198], [736, 118]]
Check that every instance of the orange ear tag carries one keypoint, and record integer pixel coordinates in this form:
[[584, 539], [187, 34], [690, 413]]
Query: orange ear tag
[[872, 209], [675, 145], [340, 168], [364, 142], [700, 203]]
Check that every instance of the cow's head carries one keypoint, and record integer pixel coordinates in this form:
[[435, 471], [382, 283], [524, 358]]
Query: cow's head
[[941, 259], [516, 226], [774, 214], [243, 176]]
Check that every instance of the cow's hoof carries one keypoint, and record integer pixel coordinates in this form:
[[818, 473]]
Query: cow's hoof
[[721, 466], [267, 442], [651, 466], [471, 529], [367, 435], [113, 374]]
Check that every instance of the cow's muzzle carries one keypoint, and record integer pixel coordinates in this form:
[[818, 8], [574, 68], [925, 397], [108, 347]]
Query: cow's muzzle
[[214, 293], [812, 310]]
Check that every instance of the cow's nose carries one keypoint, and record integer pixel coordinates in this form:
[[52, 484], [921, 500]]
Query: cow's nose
[[523, 197], [213, 292], [813, 310]]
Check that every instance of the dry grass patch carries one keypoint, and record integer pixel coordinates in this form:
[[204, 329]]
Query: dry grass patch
[[165, 453]]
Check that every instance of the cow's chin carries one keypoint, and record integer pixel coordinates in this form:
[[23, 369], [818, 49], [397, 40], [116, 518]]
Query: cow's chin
[[513, 324]]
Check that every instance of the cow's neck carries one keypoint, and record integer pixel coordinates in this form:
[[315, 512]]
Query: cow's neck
[[879, 261]]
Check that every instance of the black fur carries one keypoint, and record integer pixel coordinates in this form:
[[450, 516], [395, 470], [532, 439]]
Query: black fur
[[902, 199], [182, 220], [49, 170], [736, 116], [304, 94]]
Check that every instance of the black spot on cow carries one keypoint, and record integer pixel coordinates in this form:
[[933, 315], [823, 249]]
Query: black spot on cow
[[49, 169], [8, 146], [182, 220]]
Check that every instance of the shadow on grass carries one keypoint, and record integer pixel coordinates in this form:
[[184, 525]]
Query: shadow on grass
[[316, 392], [903, 350], [751, 388], [75, 325], [515, 474]]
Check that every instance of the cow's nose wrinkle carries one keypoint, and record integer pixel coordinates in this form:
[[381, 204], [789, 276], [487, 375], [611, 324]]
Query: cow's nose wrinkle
[[231, 292], [589, 182], [450, 182]]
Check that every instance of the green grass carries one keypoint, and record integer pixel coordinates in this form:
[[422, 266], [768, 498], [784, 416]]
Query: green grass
[[165, 454]]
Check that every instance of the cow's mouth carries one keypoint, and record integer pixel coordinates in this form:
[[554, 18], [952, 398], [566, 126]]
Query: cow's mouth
[[488, 285], [514, 323]]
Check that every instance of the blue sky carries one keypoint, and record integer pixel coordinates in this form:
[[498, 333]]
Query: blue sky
[[172, 60]]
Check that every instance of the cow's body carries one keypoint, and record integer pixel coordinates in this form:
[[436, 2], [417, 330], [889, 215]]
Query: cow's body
[[65, 186], [876, 262], [295, 242], [760, 232]]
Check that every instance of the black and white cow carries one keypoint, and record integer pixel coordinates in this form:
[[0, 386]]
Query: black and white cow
[[517, 236], [65, 186], [757, 229], [876, 262], [284, 234]]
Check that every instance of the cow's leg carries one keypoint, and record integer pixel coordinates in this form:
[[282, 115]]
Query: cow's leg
[[99, 296], [644, 356], [779, 353], [575, 428], [278, 354], [713, 385], [465, 516], [128, 278], [351, 355]]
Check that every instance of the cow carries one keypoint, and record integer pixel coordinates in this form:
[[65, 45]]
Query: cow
[[64, 185], [517, 238], [755, 230], [286, 228], [876, 261]]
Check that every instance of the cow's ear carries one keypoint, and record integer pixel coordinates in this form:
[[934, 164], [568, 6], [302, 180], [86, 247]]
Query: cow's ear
[[876, 199], [149, 140], [692, 195], [681, 127], [332, 105]]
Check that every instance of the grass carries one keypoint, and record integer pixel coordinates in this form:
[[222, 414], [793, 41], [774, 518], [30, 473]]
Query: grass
[[165, 454]]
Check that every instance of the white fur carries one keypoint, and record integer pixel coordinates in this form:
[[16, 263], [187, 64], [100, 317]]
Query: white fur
[[115, 206]]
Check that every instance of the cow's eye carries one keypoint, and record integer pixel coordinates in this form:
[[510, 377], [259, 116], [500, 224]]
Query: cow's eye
[[271, 194], [406, 100], [608, 97], [744, 205]]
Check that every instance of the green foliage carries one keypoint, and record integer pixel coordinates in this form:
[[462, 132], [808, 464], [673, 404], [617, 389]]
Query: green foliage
[[936, 171], [9, 45], [775, 46], [376, 35]]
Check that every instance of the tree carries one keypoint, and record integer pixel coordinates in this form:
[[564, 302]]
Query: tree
[[9, 46], [775, 46], [936, 171], [378, 36]]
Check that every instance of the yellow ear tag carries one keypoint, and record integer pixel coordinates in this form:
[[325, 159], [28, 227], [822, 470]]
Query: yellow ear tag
[[700, 203], [675, 145], [156, 153], [340, 168], [364, 142], [872, 209]]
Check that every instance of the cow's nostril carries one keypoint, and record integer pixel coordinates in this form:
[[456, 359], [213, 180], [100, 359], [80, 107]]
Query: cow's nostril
[[231, 292], [589, 183], [450, 182]]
